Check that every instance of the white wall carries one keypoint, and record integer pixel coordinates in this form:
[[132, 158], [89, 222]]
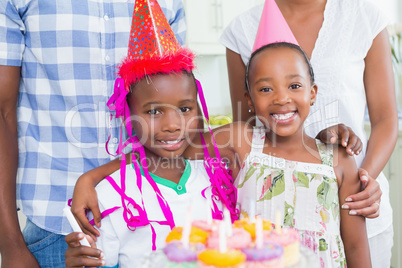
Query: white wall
[[212, 73]]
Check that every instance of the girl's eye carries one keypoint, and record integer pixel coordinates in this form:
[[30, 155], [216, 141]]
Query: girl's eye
[[184, 109], [153, 112], [265, 89], [295, 86]]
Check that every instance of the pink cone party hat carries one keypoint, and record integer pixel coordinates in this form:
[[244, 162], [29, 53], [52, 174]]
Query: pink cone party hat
[[273, 27], [153, 48]]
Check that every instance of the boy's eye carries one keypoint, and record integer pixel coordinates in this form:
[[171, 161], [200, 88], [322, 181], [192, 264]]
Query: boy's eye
[[295, 86], [153, 112], [265, 89], [184, 109]]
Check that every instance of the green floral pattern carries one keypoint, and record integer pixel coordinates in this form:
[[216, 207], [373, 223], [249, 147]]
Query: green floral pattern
[[274, 184]]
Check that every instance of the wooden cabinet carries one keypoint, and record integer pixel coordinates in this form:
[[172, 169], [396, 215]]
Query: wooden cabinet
[[206, 20]]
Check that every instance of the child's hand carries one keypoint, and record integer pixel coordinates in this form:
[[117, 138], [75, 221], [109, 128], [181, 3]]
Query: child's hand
[[367, 202], [79, 256], [85, 198], [341, 134]]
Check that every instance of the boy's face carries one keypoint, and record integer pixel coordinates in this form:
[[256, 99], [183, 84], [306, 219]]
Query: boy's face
[[164, 113], [280, 89]]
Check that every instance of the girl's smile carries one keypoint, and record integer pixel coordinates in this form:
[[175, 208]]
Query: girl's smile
[[284, 117]]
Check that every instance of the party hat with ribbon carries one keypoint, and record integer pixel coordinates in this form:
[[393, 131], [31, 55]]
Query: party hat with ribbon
[[153, 48], [273, 27]]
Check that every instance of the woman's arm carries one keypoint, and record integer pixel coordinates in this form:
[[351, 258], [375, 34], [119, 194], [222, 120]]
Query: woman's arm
[[353, 228], [380, 94], [237, 85]]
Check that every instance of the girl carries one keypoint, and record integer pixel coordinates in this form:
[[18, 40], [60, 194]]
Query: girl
[[347, 43], [284, 169]]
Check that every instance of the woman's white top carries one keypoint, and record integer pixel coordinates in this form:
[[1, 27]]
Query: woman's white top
[[344, 40]]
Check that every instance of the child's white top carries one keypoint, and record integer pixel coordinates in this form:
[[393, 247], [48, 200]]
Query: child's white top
[[305, 194], [343, 42], [127, 248]]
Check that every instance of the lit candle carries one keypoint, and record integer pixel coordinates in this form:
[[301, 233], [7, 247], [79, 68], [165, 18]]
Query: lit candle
[[258, 233], [278, 227], [185, 237], [228, 221], [222, 237]]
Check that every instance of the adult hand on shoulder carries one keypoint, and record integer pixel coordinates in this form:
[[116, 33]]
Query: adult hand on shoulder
[[18, 257], [344, 135], [79, 256], [84, 199], [367, 202]]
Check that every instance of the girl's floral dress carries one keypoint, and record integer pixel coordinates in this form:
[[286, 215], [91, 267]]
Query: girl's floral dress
[[305, 194]]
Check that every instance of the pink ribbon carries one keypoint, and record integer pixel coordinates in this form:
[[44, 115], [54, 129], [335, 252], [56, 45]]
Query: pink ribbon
[[134, 214], [118, 103], [220, 176]]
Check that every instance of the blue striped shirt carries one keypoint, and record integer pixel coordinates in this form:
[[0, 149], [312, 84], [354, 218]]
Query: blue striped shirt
[[67, 51]]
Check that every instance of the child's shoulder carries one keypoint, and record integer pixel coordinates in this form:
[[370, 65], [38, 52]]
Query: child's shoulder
[[197, 166], [341, 156], [343, 162], [236, 131], [198, 169], [107, 187]]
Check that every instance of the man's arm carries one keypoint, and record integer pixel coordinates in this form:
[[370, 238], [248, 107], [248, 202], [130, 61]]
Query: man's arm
[[14, 252]]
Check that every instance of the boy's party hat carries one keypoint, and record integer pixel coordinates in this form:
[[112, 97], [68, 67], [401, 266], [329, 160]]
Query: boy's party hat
[[153, 48], [273, 27]]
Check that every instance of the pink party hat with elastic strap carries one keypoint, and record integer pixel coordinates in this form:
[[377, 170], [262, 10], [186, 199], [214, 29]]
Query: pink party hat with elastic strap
[[153, 48], [273, 27]]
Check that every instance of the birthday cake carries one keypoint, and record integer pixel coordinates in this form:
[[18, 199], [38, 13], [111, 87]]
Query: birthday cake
[[245, 245]]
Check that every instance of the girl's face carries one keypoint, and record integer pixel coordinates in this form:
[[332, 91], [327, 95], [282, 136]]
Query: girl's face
[[280, 90], [164, 113]]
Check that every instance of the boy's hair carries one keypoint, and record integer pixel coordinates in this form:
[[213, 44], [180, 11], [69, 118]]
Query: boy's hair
[[185, 72], [278, 45]]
